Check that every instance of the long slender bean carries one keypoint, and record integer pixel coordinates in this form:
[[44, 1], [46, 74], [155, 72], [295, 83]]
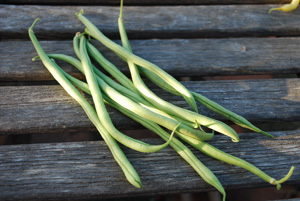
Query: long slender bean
[[76, 63], [214, 153], [121, 89], [110, 68], [97, 34], [202, 146], [159, 118], [76, 44], [204, 172], [213, 106], [179, 147], [206, 149], [150, 115], [227, 158], [117, 153], [102, 112], [164, 105], [107, 65]]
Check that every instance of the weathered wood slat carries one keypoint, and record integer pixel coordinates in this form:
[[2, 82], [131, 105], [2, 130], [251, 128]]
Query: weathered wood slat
[[85, 170], [151, 21], [44, 109], [143, 2], [179, 57]]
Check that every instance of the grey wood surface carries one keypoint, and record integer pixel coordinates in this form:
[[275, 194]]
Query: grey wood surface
[[85, 170], [144, 2], [151, 21], [44, 109], [179, 57]]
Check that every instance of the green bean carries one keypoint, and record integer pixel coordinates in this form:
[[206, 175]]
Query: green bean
[[179, 147], [222, 156], [128, 90], [102, 112], [239, 120], [107, 65], [83, 86], [227, 158], [76, 44], [110, 68], [109, 81], [159, 118], [213, 124], [117, 153], [121, 89], [115, 73], [93, 31], [176, 118], [164, 105], [150, 115], [210, 151], [213, 106]]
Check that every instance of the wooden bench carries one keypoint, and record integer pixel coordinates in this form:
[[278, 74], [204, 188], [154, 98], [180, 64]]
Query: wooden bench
[[217, 45]]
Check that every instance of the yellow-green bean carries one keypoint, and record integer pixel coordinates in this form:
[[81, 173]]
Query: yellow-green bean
[[117, 153], [287, 7], [227, 158], [107, 65], [213, 106], [151, 115], [164, 105], [93, 31], [179, 147], [101, 109]]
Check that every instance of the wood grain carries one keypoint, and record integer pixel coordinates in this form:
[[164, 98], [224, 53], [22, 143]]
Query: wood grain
[[86, 170], [179, 57], [151, 21], [46, 109]]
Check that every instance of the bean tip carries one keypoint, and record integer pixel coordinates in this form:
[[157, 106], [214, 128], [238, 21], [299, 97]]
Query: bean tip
[[235, 140], [273, 9], [31, 27], [80, 12], [278, 186], [266, 134], [137, 183], [77, 34], [287, 176]]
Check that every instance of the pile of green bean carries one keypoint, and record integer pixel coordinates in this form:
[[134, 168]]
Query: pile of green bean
[[134, 99]]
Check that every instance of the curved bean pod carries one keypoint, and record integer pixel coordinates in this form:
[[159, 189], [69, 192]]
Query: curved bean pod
[[164, 105], [93, 31], [101, 109], [121, 89], [117, 153], [159, 118], [210, 151], [204, 172], [179, 147], [152, 116], [213, 106], [107, 65], [227, 158], [110, 68], [287, 7]]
